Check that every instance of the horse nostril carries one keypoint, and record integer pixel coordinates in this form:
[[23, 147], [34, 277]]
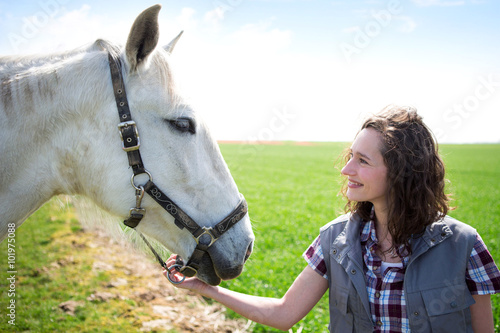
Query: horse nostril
[[249, 251]]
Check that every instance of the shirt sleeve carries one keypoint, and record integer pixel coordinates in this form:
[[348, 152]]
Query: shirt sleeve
[[482, 276], [314, 258]]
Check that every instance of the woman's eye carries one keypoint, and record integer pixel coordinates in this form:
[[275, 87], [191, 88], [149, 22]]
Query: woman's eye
[[183, 125]]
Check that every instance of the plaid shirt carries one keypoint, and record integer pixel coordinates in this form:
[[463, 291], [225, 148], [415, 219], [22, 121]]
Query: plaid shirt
[[385, 289]]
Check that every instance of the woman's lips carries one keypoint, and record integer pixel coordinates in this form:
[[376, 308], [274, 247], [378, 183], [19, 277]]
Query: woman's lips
[[353, 184]]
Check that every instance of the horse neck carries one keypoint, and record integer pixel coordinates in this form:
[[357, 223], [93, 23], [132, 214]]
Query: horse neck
[[45, 107]]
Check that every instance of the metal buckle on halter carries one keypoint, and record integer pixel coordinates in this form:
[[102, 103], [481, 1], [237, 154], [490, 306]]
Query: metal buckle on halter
[[137, 213], [184, 270], [126, 124], [177, 268], [206, 231]]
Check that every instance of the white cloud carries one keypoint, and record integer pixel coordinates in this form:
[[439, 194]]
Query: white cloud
[[350, 30], [408, 24], [187, 19], [442, 3], [238, 77], [79, 27], [62, 29], [214, 17], [261, 37]]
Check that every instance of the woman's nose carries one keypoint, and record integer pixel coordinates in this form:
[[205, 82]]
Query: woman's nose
[[348, 169]]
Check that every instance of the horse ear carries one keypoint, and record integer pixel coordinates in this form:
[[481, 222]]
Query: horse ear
[[143, 37], [170, 46]]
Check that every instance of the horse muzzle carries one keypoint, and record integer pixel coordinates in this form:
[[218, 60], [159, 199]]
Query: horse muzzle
[[213, 267]]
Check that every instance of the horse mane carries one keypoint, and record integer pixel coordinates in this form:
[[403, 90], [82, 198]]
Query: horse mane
[[15, 68], [19, 63]]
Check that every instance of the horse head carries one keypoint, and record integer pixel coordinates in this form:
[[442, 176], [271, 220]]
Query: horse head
[[59, 115], [178, 150]]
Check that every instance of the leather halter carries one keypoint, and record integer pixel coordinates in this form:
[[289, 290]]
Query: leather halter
[[204, 236]]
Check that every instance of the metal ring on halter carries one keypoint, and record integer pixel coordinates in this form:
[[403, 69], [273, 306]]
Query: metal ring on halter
[[133, 177], [169, 270]]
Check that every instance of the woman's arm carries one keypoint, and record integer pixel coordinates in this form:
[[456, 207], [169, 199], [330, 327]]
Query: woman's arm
[[301, 297], [482, 315]]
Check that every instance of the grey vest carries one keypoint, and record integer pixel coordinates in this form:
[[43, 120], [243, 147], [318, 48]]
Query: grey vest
[[436, 294]]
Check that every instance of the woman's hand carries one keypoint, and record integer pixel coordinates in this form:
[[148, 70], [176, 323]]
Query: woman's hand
[[283, 313], [190, 283]]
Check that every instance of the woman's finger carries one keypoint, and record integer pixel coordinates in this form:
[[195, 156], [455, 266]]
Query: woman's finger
[[174, 276], [170, 261]]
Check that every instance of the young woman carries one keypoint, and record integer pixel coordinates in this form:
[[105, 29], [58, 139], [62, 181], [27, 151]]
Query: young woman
[[395, 262]]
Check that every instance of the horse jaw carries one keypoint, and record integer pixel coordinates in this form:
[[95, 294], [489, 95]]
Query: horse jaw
[[208, 273]]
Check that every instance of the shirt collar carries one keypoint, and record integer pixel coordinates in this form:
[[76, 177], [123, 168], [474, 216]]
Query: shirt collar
[[368, 235], [368, 231]]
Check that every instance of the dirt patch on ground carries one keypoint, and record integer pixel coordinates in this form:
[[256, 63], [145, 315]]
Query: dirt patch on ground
[[141, 280], [135, 281]]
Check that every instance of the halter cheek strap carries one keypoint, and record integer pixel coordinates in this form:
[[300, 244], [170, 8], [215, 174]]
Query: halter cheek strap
[[204, 236]]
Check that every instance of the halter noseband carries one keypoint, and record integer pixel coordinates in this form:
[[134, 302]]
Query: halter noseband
[[204, 236]]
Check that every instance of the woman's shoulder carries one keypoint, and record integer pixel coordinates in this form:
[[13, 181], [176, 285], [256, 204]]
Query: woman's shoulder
[[452, 227], [341, 221], [455, 224]]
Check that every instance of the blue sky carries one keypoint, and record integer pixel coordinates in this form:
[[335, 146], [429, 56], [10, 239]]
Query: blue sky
[[302, 70]]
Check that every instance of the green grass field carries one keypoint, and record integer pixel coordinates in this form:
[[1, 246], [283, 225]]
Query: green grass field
[[291, 191]]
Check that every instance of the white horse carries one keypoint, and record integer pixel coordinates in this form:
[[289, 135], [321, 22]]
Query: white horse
[[58, 133]]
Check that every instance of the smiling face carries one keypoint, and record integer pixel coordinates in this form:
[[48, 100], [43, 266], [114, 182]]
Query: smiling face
[[366, 171]]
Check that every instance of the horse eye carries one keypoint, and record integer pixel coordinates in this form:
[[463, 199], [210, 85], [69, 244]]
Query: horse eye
[[183, 125]]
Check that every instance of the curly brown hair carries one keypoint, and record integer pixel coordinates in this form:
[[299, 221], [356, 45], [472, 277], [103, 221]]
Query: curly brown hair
[[415, 174]]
